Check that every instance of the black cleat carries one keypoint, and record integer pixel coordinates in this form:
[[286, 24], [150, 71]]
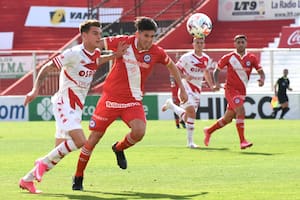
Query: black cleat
[[77, 183], [120, 157], [182, 124]]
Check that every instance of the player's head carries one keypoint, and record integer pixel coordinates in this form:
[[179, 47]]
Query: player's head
[[198, 43], [146, 28], [285, 72], [91, 33], [240, 43]]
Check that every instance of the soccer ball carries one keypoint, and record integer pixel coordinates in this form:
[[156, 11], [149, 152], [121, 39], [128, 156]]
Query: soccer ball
[[199, 25]]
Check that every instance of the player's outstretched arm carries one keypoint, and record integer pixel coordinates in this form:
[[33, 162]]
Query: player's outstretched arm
[[216, 79], [261, 81], [121, 50], [49, 67]]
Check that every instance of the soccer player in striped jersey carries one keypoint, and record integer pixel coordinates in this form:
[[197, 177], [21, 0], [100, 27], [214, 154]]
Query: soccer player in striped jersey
[[194, 67], [239, 65], [123, 93], [77, 66]]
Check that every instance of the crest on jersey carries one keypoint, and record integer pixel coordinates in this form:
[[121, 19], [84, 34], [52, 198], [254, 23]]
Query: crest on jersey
[[248, 63], [237, 100], [147, 58], [92, 123]]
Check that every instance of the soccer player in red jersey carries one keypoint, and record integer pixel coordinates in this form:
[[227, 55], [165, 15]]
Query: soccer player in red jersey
[[239, 66], [77, 66], [123, 92]]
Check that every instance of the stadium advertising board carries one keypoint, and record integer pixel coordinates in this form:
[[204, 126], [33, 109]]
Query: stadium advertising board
[[258, 106], [68, 17], [15, 66], [12, 109], [41, 108], [237, 10], [290, 37]]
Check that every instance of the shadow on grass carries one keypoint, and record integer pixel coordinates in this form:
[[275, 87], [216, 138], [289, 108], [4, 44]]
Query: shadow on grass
[[124, 195], [214, 149], [258, 153]]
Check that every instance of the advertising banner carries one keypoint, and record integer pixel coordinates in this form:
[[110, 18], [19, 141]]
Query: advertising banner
[[237, 10], [15, 66], [290, 37], [12, 109], [68, 17]]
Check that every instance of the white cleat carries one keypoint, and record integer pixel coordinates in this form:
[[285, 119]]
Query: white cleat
[[167, 105], [193, 146]]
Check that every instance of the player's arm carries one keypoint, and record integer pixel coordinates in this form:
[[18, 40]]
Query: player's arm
[[121, 50], [275, 88], [261, 81], [209, 80], [216, 79], [43, 73], [176, 74]]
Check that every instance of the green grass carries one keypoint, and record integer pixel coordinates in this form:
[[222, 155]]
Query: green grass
[[160, 166]]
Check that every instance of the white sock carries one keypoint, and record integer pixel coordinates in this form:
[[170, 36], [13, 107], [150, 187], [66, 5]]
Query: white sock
[[178, 110], [29, 176], [190, 130], [64, 148]]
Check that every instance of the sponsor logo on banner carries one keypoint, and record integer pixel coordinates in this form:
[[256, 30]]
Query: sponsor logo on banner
[[12, 109], [290, 37], [50, 16]]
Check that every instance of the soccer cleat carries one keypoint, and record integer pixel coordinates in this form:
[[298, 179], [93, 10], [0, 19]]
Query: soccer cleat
[[193, 146], [28, 186], [182, 124], [77, 183], [120, 157], [167, 105], [246, 144], [207, 136], [40, 169]]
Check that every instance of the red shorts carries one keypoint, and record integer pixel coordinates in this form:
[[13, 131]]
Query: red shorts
[[234, 98], [108, 110]]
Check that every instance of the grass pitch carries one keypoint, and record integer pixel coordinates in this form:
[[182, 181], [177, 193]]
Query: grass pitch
[[160, 166]]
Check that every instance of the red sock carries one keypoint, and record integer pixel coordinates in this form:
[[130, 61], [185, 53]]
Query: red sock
[[218, 124], [83, 160], [240, 126], [126, 142]]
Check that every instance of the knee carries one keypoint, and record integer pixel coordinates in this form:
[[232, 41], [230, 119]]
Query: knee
[[138, 133], [79, 143]]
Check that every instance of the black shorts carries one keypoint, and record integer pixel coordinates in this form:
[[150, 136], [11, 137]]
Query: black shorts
[[282, 98]]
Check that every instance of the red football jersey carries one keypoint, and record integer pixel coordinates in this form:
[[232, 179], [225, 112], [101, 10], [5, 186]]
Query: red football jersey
[[127, 77], [238, 69]]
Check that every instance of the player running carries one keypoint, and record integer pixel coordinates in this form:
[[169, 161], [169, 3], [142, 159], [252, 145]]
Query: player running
[[77, 66], [123, 92], [239, 66]]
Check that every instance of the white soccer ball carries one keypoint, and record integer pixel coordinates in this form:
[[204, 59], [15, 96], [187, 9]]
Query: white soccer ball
[[199, 25]]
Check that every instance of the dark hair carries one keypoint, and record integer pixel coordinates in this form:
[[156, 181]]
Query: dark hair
[[240, 37], [86, 25], [145, 24]]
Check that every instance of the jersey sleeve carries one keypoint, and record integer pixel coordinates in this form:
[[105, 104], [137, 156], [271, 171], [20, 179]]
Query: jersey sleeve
[[63, 59], [255, 63], [222, 63], [111, 43], [164, 58]]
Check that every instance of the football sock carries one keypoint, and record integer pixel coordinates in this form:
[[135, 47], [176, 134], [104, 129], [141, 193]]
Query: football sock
[[275, 111], [190, 130], [178, 110], [128, 141], [83, 160], [53, 157], [240, 127], [217, 125], [176, 120], [29, 176], [284, 111]]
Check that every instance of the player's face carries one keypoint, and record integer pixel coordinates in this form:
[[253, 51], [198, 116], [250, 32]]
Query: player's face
[[92, 38], [240, 45], [285, 72], [145, 39], [198, 44]]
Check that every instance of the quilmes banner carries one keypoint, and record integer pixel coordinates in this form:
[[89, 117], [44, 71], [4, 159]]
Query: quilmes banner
[[41, 108]]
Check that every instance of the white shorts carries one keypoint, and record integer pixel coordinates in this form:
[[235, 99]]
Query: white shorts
[[193, 97], [66, 118]]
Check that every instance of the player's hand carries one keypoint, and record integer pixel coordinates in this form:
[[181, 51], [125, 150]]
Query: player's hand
[[215, 88], [121, 49], [30, 96], [183, 96], [261, 82]]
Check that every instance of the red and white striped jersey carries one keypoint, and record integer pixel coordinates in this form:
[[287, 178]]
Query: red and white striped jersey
[[194, 66], [77, 67], [125, 82], [238, 69]]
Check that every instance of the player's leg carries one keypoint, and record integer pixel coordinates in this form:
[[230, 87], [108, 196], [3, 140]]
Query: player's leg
[[176, 120], [220, 123], [284, 106], [176, 109], [190, 120]]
